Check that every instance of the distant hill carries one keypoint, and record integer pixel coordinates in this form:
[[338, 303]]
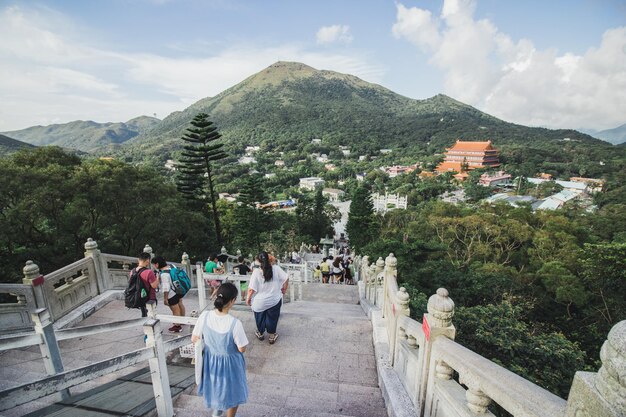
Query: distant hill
[[615, 136], [85, 136], [9, 145], [288, 104]]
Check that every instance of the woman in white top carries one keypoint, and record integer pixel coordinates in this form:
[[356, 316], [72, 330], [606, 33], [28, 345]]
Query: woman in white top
[[268, 283]]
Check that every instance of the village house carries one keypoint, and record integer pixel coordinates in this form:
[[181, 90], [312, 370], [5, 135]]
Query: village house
[[362, 157], [316, 141], [170, 165], [333, 194], [361, 176], [323, 158], [279, 163], [330, 167], [311, 183], [385, 151], [244, 160], [396, 170], [252, 149], [498, 178]]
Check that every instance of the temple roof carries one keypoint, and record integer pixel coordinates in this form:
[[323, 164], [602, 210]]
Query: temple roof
[[472, 146]]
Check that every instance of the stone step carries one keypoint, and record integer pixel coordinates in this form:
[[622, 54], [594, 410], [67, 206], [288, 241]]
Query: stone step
[[297, 406]]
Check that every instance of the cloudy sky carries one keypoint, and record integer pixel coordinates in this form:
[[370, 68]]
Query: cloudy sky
[[556, 63]]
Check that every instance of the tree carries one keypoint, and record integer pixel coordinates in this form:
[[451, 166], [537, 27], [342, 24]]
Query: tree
[[198, 159], [249, 220], [315, 217], [360, 227]]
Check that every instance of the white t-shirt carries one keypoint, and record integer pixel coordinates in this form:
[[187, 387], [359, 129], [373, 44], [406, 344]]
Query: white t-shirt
[[166, 284], [221, 324], [267, 294]]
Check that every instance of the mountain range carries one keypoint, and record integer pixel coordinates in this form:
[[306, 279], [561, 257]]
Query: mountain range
[[86, 136], [288, 104], [616, 136], [9, 145]]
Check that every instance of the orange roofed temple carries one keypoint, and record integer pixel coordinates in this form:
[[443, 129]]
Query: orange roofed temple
[[464, 156]]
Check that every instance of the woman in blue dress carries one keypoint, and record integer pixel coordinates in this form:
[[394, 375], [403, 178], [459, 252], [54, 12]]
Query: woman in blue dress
[[223, 373]]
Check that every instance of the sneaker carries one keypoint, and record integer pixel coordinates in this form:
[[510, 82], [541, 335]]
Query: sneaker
[[273, 338], [259, 335], [176, 329]]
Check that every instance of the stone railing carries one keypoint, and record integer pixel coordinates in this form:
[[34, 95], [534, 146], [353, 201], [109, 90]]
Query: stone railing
[[64, 290], [419, 359], [294, 288], [59, 381]]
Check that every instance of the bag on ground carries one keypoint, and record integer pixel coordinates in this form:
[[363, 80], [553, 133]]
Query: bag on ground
[[180, 280], [136, 294]]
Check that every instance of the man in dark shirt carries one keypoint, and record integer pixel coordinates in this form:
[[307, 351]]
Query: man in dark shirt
[[149, 280], [243, 270]]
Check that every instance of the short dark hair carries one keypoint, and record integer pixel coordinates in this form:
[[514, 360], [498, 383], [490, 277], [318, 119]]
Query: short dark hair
[[240, 259], [226, 293], [159, 261], [145, 256]]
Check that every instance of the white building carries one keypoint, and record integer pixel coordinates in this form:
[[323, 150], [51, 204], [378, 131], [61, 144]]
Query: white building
[[279, 163], [316, 141], [384, 151], [362, 157], [170, 164], [252, 149], [311, 183], [323, 158], [270, 175], [244, 160], [361, 177], [333, 194], [384, 203]]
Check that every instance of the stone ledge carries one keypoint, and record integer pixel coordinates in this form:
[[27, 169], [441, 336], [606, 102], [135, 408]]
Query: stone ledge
[[397, 401], [85, 310]]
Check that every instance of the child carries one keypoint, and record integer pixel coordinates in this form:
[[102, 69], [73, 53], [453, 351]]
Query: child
[[223, 381], [317, 274], [212, 267]]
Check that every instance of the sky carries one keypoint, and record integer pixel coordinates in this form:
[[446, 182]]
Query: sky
[[556, 63]]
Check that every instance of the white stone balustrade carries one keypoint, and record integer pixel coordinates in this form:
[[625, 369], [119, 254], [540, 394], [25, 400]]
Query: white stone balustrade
[[425, 357]]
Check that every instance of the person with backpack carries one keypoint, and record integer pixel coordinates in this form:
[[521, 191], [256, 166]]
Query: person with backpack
[[172, 298], [221, 367], [142, 285]]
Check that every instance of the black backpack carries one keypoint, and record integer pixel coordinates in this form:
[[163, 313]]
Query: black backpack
[[136, 294]]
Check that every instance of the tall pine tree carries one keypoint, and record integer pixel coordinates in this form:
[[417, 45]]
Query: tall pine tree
[[250, 221], [360, 226], [198, 160]]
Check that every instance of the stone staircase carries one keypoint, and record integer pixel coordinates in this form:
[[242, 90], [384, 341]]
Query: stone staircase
[[322, 365]]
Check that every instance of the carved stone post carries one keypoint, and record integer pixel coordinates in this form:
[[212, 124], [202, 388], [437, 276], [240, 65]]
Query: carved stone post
[[148, 249], [186, 263], [402, 301], [391, 272], [33, 278], [602, 394], [158, 369], [49, 348], [103, 278], [202, 301], [439, 321]]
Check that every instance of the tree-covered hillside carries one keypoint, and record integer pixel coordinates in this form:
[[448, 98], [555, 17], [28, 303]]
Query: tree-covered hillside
[[86, 136], [9, 145]]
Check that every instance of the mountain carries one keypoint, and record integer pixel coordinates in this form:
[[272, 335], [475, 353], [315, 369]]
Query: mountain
[[9, 145], [287, 104], [615, 136], [86, 136]]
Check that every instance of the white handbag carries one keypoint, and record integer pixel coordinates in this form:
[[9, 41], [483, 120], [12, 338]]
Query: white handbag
[[198, 348]]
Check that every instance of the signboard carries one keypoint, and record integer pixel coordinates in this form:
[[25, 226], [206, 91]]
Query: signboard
[[426, 328]]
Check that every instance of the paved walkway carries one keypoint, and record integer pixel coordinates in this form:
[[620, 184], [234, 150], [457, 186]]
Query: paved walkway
[[322, 364]]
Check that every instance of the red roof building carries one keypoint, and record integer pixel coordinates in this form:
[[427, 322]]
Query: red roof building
[[465, 156]]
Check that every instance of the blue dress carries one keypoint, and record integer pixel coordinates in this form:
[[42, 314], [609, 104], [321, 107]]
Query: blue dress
[[223, 382]]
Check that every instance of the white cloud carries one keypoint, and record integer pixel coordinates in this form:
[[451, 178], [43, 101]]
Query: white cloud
[[484, 67], [50, 73], [332, 34]]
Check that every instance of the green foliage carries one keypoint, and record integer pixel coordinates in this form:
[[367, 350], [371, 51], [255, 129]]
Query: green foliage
[[51, 202], [315, 217], [361, 226], [499, 332], [198, 161]]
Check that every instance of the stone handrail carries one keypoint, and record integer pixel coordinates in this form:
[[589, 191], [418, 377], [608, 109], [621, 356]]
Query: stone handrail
[[484, 381], [15, 317], [78, 285], [424, 357]]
